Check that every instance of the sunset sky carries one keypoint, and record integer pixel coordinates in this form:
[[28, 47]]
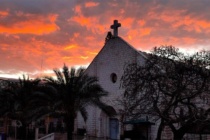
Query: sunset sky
[[37, 36]]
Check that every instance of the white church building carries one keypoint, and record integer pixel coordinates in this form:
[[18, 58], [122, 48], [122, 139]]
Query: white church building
[[108, 67]]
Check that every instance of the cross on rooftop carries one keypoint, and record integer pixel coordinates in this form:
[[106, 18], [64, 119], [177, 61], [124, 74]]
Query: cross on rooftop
[[115, 27]]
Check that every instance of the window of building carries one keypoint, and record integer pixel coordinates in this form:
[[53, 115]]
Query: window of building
[[113, 77]]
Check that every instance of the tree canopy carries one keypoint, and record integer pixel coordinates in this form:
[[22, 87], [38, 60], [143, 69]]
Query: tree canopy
[[15, 101], [170, 86], [75, 90], [71, 91]]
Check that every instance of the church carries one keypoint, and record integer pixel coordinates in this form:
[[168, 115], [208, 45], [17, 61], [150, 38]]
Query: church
[[108, 67]]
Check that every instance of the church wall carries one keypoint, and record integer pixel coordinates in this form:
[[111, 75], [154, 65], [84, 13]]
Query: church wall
[[80, 123], [111, 59], [154, 130], [90, 124]]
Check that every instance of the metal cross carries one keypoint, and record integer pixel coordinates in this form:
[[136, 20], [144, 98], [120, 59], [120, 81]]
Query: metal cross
[[115, 27]]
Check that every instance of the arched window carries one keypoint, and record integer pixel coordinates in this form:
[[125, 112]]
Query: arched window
[[113, 77]]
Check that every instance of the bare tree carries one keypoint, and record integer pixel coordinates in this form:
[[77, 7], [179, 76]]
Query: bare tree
[[170, 86]]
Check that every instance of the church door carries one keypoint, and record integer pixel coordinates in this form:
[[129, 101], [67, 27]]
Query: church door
[[114, 128]]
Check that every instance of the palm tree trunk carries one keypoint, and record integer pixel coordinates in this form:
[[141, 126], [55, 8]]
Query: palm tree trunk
[[69, 127], [22, 132]]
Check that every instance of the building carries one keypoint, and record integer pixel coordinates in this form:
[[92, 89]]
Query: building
[[108, 67]]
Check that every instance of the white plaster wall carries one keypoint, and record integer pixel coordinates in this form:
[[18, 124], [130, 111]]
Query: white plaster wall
[[111, 59]]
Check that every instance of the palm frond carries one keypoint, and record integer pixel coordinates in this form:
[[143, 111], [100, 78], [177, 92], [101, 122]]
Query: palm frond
[[72, 72], [80, 72], [66, 73], [59, 76], [83, 112]]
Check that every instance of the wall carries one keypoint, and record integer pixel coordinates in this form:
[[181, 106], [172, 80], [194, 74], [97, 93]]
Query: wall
[[111, 59]]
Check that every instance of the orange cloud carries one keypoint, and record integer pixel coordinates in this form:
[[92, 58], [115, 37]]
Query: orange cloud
[[91, 4], [92, 53], [84, 57], [127, 22], [141, 23], [132, 34], [67, 58], [76, 34], [35, 24], [84, 21], [70, 47], [77, 9], [145, 31], [136, 34], [91, 23], [179, 19], [198, 25], [4, 13]]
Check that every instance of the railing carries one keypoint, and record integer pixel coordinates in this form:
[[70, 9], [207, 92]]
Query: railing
[[48, 137]]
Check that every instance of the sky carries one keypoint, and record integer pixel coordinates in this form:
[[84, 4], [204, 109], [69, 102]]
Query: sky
[[37, 36]]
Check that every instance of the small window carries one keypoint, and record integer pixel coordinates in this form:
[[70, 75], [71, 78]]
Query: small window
[[113, 77]]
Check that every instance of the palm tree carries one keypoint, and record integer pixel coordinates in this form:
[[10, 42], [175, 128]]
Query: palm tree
[[75, 91], [15, 99]]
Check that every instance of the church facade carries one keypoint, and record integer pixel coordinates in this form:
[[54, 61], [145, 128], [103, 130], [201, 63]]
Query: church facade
[[108, 67]]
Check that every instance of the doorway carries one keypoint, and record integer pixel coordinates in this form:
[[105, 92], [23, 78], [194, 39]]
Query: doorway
[[114, 128]]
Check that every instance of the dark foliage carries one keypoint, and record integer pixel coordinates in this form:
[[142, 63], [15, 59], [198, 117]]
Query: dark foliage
[[172, 87], [108, 37], [74, 91], [15, 101]]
